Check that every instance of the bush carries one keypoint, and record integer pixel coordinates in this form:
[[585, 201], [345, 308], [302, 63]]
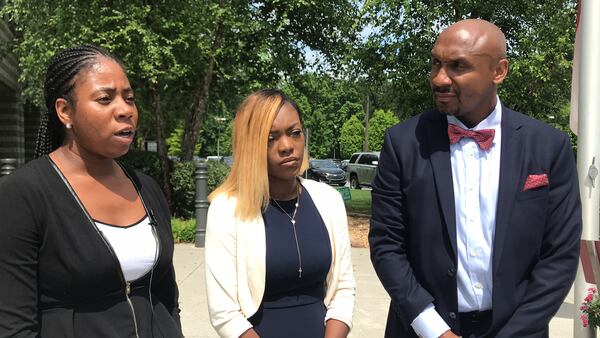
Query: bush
[[184, 189], [183, 230], [144, 161], [184, 186], [217, 172]]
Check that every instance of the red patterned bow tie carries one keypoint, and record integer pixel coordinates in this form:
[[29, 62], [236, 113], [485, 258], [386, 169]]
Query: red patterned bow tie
[[483, 137]]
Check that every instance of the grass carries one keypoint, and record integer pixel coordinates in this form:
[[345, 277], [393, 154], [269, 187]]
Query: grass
[[360, 203]]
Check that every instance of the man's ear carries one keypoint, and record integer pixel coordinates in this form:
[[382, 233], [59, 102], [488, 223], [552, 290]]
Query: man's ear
[[500, 71], [63, 110]]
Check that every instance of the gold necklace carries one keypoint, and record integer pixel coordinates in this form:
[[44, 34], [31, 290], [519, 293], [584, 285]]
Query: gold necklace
[[293, 220]]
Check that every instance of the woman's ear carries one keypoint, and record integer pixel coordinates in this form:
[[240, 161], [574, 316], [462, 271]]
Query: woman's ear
[[63, 110]]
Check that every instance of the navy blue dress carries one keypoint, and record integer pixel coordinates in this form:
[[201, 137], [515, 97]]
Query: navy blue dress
[[293, 306]]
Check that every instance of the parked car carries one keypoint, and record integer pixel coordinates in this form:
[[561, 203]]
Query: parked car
[[361, 168], [228, 160], [344, 164], [214, 158], [326, 171]]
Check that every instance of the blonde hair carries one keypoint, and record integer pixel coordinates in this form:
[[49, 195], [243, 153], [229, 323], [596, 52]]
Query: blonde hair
[[248, 180]]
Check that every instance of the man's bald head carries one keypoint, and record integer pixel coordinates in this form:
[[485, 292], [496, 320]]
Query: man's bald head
[[468, 62], [482, 36]]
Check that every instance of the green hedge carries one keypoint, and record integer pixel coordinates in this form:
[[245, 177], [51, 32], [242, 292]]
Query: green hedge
[[183, 185], [144, 161], [183, 230]]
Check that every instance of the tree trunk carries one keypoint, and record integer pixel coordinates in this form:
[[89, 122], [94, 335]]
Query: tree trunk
[[195, 115], [161, 145]]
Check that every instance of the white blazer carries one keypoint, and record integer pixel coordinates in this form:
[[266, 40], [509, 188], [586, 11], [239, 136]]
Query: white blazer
[[235, 262]]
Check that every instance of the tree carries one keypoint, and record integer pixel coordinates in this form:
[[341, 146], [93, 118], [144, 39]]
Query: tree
[[326, 103], [400, 35], [179, 53], [351, 138], [379, 123]]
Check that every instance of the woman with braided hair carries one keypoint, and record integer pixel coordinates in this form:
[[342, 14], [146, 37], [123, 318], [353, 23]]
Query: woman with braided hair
[[85, 244]]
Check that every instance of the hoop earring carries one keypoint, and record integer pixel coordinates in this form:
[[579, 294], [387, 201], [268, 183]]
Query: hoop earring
[[69, 125]]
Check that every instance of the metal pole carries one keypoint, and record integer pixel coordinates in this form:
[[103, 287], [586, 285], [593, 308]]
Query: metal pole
[[588, 150], [7, 166], [219, 120], [307, 148], [334, 139], [201, 203]]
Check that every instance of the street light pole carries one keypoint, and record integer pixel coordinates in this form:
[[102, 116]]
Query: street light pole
[[219, 120], [334, 139]]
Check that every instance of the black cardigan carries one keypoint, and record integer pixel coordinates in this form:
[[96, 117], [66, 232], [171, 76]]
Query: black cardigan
[[58, 278]]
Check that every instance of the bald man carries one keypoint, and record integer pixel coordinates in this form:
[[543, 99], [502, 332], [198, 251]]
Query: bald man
[[476, 216]]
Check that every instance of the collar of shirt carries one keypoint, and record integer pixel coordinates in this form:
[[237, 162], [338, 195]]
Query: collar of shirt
[[492, 121]]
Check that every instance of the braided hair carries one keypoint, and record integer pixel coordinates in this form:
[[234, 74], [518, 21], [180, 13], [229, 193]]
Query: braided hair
[[59, 83]]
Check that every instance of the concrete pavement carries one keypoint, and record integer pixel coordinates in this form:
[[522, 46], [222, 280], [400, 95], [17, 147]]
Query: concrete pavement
[[370, 310]]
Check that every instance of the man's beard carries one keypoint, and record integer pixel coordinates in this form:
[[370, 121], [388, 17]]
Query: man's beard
[[446, 109]]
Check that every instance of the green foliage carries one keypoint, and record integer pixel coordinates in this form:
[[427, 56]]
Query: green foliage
[[174, 142], [326, 104], [184, 189], [184, 185], [392, 61], [184, 230], [379, 122], [590, 309], [216, 137], [217, 172], [351, 139], [144, 161], [358, 51]]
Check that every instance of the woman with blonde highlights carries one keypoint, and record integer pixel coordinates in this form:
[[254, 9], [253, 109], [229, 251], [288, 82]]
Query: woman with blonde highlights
[[277, 249]]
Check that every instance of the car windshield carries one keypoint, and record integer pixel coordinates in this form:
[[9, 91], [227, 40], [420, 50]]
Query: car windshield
[[323, 164]]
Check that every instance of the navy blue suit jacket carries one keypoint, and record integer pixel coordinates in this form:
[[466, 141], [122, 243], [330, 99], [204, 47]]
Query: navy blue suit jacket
[[413, 227]]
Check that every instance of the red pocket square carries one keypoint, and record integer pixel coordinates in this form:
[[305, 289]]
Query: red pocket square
[[535, 181]]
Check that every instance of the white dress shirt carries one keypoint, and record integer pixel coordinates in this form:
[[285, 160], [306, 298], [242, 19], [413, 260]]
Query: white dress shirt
[[475, 176]]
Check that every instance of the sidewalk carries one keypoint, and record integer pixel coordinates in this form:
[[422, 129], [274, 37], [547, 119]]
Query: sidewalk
[[370, 310]]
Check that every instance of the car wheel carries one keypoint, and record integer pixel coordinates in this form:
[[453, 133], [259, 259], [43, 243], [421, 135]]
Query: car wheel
[[354, 182]]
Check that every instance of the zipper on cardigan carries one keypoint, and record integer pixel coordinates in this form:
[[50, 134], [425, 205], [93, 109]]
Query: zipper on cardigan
[[109, 247], [119, 269], [127, 291]]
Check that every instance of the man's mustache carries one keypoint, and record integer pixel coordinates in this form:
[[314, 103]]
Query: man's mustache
[[443, 90]]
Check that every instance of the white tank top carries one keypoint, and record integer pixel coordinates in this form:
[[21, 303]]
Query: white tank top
[[134, 245]]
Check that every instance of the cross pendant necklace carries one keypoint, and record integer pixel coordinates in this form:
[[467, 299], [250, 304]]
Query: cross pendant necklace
[[293, 221]]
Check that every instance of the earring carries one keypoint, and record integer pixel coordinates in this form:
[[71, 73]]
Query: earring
[[69, 125]]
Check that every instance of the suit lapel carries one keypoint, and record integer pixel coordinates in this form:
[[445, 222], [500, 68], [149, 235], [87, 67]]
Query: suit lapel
[[439, 150], [511, 163]]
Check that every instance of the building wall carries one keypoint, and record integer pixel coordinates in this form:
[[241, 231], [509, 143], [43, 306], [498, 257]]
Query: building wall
[[17, 129]]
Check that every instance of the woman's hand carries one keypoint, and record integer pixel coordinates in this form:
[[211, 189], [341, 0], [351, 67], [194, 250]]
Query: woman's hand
[[336, 329], [250, 333]]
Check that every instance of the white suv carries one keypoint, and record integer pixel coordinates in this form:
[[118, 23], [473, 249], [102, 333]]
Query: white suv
[[361, 168]]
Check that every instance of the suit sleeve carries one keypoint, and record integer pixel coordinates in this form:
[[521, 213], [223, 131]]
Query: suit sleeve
[[19, 243], [552, 276], [388, 239]]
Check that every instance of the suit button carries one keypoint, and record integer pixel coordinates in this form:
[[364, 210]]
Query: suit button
[[452, 315], [451, 272]]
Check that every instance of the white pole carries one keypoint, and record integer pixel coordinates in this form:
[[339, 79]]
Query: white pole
[[588, 150]]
